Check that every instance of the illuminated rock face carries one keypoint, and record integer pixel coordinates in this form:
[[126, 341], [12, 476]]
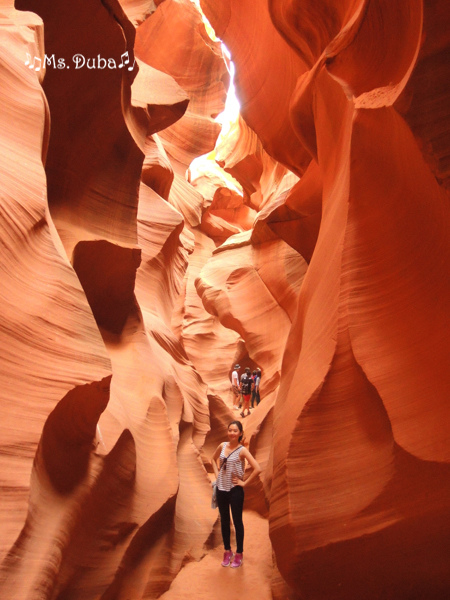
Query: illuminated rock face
[[360, 425], [107, 485], [316, 247]]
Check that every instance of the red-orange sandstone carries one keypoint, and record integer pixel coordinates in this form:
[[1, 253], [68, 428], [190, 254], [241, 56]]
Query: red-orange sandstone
[[313, 243]]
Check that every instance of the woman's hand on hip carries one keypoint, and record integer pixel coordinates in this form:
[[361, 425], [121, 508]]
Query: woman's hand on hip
[[235, 479]]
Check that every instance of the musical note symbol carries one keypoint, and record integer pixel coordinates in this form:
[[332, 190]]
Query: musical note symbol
[[132, 66], [32, 65], [125, 61]]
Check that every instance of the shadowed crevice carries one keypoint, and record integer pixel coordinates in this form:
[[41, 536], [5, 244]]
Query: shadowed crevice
[[107, 273], [140, 550], [69, 432], [104, 525]]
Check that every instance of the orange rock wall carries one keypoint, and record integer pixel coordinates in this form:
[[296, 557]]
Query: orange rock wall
[[360, 430], [316, 248]]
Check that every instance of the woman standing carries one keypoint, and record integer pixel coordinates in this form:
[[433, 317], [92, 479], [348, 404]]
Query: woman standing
[[230, 489]]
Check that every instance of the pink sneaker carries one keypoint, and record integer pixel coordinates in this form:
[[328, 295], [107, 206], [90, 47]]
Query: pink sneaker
[[227, 556], [238, 560]]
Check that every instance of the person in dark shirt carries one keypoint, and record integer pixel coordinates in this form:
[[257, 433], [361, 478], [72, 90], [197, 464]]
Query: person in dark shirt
[[246, 390]]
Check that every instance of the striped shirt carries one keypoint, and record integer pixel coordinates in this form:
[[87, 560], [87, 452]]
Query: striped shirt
[[234, 466]]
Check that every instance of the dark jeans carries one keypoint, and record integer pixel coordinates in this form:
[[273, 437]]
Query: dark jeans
[[234, 499], [255, 398]]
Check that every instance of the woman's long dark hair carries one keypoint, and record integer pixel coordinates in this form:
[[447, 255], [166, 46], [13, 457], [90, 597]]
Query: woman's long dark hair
[[239, 426]]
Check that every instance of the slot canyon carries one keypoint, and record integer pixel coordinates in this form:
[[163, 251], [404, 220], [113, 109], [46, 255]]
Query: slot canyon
[[151, 239]]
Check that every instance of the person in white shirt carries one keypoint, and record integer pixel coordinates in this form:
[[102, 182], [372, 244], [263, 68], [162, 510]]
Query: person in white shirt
[[235, 386]]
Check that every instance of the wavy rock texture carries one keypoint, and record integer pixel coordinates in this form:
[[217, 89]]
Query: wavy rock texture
[[353, 441], [114, 487], [315, 246], [364, 373], [139, 10], [50, 342], [266, 75], [262, 178], [201, 73]]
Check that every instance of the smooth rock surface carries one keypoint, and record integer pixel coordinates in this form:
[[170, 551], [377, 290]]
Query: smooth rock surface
[[311, 241]]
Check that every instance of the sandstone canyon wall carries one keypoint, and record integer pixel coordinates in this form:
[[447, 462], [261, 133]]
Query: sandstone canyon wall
[[313, 243]]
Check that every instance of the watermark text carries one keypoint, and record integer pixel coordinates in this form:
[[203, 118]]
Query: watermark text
[[78, 61]]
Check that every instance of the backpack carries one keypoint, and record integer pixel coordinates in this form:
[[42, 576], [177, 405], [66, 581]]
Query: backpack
[[246, 385]]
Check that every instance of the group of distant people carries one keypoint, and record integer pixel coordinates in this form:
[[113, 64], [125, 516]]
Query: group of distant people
[[246, 389]]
